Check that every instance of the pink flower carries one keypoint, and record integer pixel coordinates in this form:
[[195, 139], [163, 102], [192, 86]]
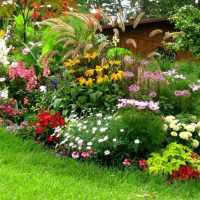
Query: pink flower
[[127, 162], [46, 70], [182, 93], [144, 62], [25, 51], [152, 94], [142, 164], [134, 88], [85, 154], [75, 155], [128, 74], [194, 87], [26, 102]]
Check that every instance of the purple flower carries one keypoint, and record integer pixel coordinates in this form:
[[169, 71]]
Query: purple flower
[[169, 72], [25, 50], [134, 88], [54, 84]]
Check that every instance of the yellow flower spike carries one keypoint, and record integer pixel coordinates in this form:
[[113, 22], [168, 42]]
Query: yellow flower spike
[[2, 33], [115, 62], [89, 72], [99, 69]]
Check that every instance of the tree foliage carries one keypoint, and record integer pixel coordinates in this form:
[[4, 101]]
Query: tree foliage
[[187, 19]]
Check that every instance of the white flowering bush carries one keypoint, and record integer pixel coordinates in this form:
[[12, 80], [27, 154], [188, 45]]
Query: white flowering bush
[[183, 130], [109, 139]]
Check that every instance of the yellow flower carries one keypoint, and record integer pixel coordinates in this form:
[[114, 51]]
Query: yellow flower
[[90, 55], [2, 33], [71, 63], [101, 79], [114, 77], [115, 62], [84, 81], [99, 69], [105, 66], [71, 71], [88, 82], [89, 72]]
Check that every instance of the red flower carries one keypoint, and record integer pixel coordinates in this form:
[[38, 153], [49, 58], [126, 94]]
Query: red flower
[[49, 138], [35, 15], [142, 164], [39, 130], [62, 121]]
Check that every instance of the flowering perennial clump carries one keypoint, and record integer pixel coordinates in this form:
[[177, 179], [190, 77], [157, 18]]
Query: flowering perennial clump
[[28, 75], [48, 126]]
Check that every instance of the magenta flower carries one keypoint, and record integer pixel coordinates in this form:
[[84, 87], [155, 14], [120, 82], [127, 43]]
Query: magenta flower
[[85, 154], [26, 102], [46, 70], [142, 164], [127, 162]]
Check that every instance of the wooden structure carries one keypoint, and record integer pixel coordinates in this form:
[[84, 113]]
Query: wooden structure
[[140, 34]]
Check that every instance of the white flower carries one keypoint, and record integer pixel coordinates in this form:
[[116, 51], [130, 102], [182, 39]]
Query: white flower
[[103, 129], [107, 152], [89, 143], [121, 130], [195, 143], [109, 117], [105, 138], [2, 79], [99, 115], [198, 125], [94, 129], [190, 128], [80, 141], [84, 127], [169, 118], [99, 122], [100, 140], [114, 139], [185, 135], [173, 133], [4, 52], [71, 144], [4, 93], [43, 89], [79, 124], [88, 147], [165, 127], [137, 141], [77, 139]]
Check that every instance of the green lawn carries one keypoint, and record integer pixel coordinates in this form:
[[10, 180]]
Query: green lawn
[[30, 172]]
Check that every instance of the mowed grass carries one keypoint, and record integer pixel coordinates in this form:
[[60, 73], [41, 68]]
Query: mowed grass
[[30, 172]]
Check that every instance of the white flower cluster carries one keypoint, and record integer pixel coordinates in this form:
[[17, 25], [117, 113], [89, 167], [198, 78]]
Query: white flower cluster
[[82, 135], [189, 132], [4, 52]]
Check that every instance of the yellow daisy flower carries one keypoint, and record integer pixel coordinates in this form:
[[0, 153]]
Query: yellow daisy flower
[[99, 69], [71, 62], [89, 72], [2, 33]]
